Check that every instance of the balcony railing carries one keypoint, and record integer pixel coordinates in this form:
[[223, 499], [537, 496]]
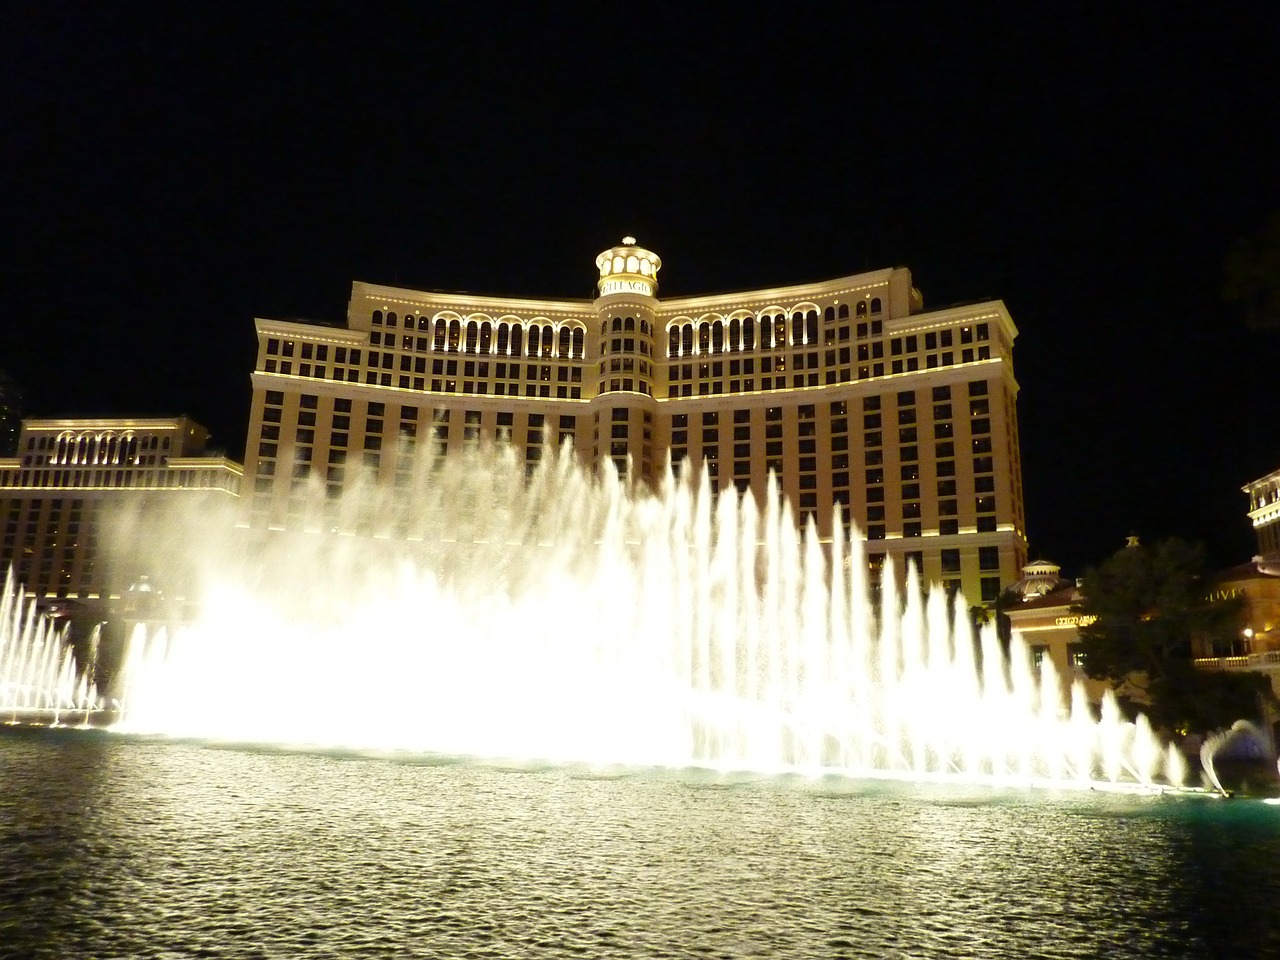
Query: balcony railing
[[1254, 661]]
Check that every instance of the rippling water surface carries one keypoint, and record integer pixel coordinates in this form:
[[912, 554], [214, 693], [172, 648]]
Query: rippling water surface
[[112, 847]]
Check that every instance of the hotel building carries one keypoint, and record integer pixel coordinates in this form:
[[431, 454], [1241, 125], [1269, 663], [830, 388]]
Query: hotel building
[[1264, 513], [57, 494], [847, 389]]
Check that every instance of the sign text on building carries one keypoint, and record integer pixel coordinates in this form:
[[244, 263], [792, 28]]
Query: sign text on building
[[642, 287]]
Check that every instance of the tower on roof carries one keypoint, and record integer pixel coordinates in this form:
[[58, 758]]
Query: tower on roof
[[628, 268]]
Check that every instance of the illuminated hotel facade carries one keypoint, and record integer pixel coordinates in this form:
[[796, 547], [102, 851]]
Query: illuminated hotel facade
[[57, 493], [847, 390], [1264, 513]]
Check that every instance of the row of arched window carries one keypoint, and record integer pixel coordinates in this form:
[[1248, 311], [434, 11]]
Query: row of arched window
[[742, 333], [688, 338], [565, 341], [96, 449]]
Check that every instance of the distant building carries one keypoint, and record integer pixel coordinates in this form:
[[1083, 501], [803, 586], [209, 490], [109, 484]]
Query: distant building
[[11, 407], [846, 389], [1264, 514], [1041, 607], [1257, 647], [56, 493]]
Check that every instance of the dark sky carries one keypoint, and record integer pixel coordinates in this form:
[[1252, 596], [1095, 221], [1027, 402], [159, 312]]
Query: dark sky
[[171, 171]]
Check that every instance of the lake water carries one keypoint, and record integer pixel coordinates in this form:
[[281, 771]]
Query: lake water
[[112, 847]]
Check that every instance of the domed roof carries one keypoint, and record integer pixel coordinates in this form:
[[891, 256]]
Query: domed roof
[[1038, 578]]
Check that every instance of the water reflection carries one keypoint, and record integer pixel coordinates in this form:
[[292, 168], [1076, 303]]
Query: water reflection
[[148, 849]]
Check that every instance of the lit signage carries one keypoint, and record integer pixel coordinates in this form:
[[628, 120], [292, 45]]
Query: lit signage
[[642, 287], [1080, 620]]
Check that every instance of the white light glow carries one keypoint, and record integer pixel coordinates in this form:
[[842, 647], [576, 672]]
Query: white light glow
[[570, 618]]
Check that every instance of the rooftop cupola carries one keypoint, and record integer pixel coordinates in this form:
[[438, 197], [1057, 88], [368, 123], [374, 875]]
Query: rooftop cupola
[[628, 268]]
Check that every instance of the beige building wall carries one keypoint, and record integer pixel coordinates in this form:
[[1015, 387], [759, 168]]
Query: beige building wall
[[69, 473], [847, 389]]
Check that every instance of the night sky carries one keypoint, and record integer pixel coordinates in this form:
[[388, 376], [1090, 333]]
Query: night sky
[[172, 171]]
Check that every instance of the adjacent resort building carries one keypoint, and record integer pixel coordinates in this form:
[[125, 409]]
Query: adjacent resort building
[[1264, 514], [847, 390], [55, 494]]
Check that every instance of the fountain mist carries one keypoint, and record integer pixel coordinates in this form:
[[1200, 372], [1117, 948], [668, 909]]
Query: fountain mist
[[39, 679], [472, 611]]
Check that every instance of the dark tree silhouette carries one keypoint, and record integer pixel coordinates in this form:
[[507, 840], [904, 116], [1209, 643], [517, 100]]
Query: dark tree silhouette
[[1253, 277], [1154, 611]]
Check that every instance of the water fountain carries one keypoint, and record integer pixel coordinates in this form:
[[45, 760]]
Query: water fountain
[[471, 611], [39, 679]]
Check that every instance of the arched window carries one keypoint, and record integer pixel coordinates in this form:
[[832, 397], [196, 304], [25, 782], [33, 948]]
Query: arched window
[[535, 340], [862, 308], [486, 336], [735, 333], [704, 337], [797, 327], [391, 319], [749, 333], [377, 316], [517, 340], [473, 336], [686, 340], [424, 324], [504, 338], [617, 324], [843, 312], [629, 324], [604, 329], [408, 322], [455, 334], [875, 304], [829, 314], [766, 332], [548, 340], [673, 342], [442, 333], [717, 337], [565, 342], [644, 325], [811, 326], [578, 335]]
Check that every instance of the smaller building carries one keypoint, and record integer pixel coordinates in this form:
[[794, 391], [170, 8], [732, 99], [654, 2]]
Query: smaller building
[[68, 475], [1264, 514], [1040, 608], [1257, 648], [1043, 608]]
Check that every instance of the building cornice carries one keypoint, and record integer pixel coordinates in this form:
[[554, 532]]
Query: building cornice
[[777, 296], [312, 331], [423, 301], [107, 423]]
